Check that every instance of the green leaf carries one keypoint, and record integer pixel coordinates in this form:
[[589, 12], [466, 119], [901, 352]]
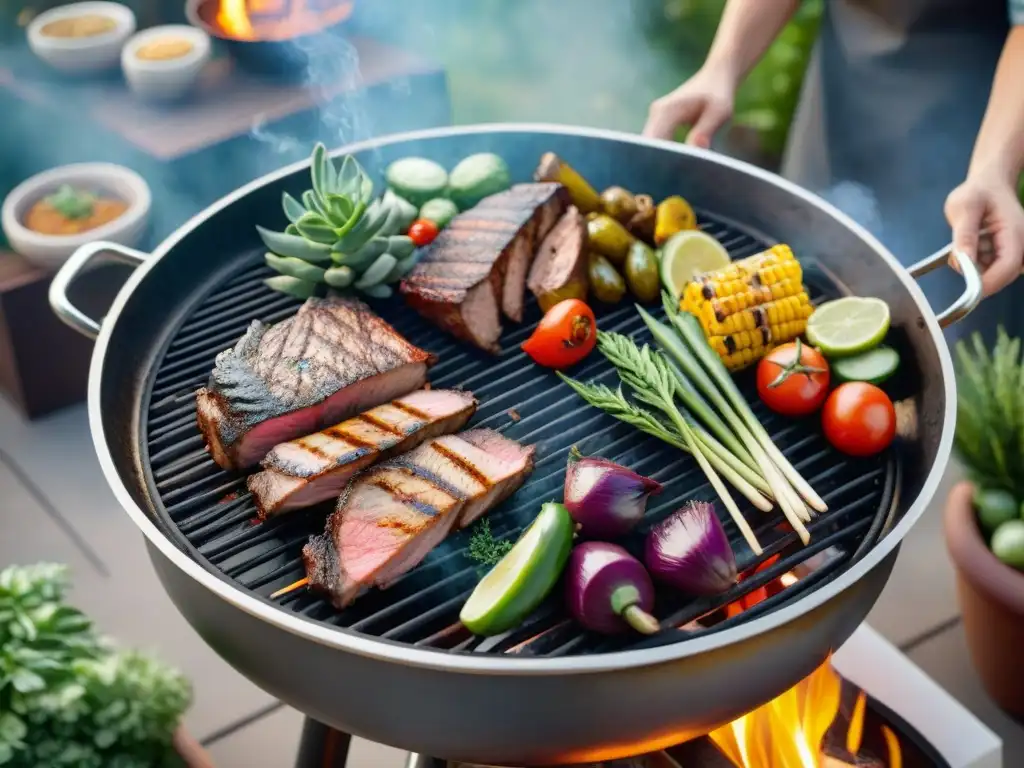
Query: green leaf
[[25, 681], [296, 246], [330, 176], [12, 728], [316, 170], [292, 286], [314, 203], [364, 257], [293, 209], [292, 267], [314, 227], [340, 208], [340, 277], [377, 271], [378, 291]]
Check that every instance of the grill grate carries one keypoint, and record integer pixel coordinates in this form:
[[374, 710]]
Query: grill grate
[[209, 511]]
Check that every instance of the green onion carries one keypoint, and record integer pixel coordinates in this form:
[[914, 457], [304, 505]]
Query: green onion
[[648, 374], [615, 404], [689, 329]]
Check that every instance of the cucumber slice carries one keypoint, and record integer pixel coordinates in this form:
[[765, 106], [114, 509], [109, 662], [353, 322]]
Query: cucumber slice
[[476, 177], [440, 210], [874, 366], [523, 577], [287, 265], [416, 179]]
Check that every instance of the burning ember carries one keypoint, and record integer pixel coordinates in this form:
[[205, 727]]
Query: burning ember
[[279, 19]]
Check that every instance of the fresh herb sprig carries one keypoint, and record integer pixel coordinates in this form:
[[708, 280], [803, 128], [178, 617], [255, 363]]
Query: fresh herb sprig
[[483, 547], [615, 403], [71, 203], [648, 374]]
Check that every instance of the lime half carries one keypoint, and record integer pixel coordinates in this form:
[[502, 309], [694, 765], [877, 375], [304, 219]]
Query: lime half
[[687, 254], [523, 577], [848, 325]]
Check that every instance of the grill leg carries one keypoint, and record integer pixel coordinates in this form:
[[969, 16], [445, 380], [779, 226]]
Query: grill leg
[[322, 746]]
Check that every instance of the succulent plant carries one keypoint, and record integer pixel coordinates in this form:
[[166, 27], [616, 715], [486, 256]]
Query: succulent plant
[[339, 235]]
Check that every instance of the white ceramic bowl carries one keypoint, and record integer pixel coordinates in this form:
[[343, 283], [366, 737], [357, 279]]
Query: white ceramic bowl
[[166, 79], [82, 55], [50, 251]]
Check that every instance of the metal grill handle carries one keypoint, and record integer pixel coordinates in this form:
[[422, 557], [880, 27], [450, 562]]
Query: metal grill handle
[[972, 294], [73, 267]]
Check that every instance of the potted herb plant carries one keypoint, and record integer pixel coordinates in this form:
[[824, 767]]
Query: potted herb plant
[[69, 698], [984, 522]]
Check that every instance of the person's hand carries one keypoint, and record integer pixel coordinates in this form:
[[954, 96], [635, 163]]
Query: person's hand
[[705, 101], [989, 203]]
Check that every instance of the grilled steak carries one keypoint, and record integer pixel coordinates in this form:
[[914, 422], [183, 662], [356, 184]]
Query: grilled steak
[[391, 516], [312, 469], [334, 358], [480, 262], [560, 269]]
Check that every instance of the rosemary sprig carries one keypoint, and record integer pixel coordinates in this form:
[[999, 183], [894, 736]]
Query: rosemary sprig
[[614, 403], [647, 373]]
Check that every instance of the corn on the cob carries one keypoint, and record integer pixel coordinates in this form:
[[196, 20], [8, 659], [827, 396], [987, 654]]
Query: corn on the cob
[[751, 306]]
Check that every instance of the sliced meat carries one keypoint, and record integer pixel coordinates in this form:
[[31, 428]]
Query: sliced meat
[[560, 269], [394, 514], [480, 261], [333, 359], [315, 468]]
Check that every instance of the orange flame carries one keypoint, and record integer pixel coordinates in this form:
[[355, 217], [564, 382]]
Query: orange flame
[[790, 730], [282, 19]]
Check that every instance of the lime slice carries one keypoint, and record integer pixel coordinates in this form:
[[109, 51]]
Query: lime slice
[[687, 254], [848, 325], [523, 577]]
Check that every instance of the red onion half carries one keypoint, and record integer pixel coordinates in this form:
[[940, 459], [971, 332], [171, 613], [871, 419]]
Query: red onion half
[[689, 550], [605, 498], [607, 590]]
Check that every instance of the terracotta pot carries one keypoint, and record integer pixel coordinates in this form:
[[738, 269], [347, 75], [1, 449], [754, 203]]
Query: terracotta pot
[[190, 750], [991, 602]]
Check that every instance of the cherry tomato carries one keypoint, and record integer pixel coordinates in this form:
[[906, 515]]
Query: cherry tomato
[[859, 419], [422, 232], [565, 335], [793, 379]]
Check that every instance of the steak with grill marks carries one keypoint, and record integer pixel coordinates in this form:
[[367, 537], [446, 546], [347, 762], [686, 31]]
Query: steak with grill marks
[[331, 360], [479, 263], [315, 468], [394, 514]]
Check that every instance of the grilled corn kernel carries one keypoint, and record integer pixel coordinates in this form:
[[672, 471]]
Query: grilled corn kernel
[[750, 306]]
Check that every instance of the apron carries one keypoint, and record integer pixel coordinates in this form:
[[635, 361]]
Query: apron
[[891, 104]]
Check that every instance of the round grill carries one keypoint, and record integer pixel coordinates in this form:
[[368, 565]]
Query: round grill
[[209, 513]]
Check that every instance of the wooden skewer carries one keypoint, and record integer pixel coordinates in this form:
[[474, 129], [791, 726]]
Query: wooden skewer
[[290, 588]]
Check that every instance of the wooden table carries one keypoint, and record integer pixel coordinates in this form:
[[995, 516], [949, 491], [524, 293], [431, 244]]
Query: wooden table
[[44, 364]]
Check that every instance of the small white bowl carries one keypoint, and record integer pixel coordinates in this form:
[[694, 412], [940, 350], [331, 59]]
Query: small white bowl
[[165, 79], [51, 251], [82, 54]]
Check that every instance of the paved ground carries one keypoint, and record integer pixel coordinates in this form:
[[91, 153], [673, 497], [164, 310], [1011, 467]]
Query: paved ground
[[55, 505]]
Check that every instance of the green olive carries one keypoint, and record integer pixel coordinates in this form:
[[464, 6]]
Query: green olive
[[606, 284], [642, 273], [619, 203], [609, 238]]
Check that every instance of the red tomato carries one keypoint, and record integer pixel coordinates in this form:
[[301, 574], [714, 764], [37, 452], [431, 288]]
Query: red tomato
[[793, 379], [859, 419], [423, 232], [565, 335]]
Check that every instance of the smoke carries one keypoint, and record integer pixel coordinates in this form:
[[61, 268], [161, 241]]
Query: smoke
[[858, 202]]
